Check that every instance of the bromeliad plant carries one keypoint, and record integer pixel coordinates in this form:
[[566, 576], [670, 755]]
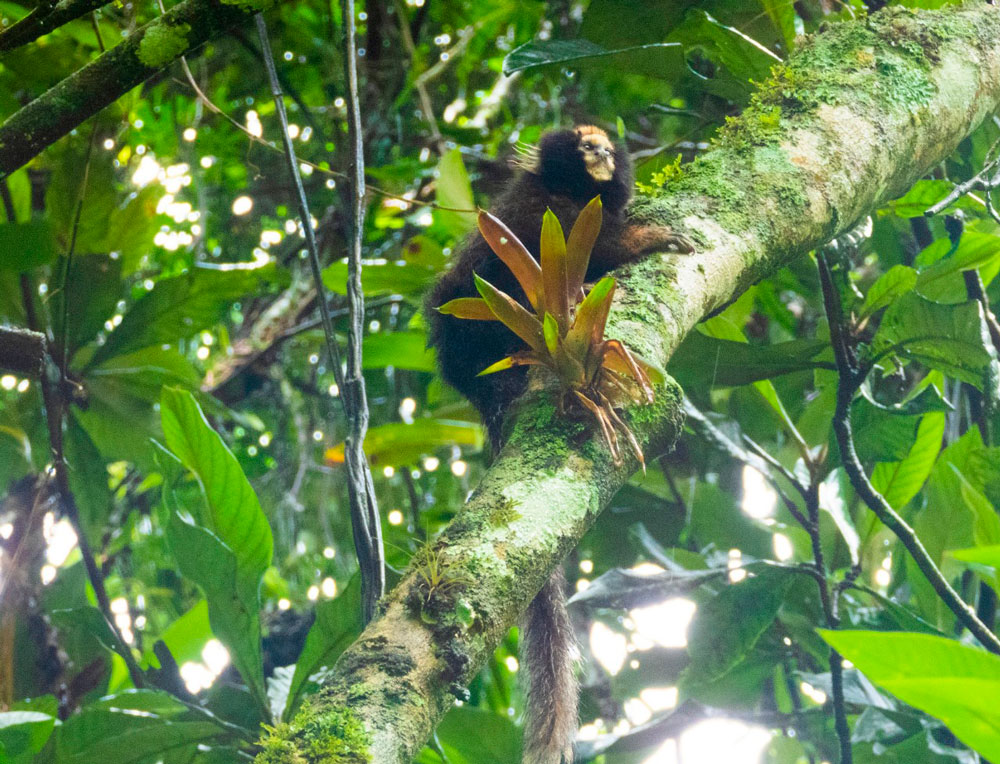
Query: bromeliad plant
[[566, 331]]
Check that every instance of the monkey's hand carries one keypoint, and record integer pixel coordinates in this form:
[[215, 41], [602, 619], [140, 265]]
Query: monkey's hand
[[643, 238]]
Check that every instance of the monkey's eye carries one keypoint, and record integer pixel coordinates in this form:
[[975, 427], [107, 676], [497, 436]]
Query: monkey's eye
[[588, 146]]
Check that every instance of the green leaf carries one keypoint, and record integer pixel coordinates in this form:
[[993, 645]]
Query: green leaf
[[925, 194], [470, 308], [398, 444], [478, 736], [185, 637], [743, 59], [234, 513], [554, 269], [727, 627], [941, 281], [381, 278], [701, 361], [95, 286], [129, 727], [890, 286], [23, 733], [225, 546], [900, 481], [985, 521], [587, 331], [573, 53], [957, 684], [512, 314], [178, 307], [26, 245], [514, 255], [984, 560], [550, 328], [403, 350], [454, 190], [950, 338], [580, 244], [337, 624]]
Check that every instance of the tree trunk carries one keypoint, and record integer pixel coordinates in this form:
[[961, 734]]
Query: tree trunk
[[855, 117]]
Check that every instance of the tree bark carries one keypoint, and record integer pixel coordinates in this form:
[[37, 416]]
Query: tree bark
[[856, 116]]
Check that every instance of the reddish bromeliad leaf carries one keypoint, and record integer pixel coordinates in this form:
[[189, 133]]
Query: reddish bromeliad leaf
[[566, 331]]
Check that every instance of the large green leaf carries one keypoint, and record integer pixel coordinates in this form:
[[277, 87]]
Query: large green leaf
[[475, 736], [941, 281], [957, 684], [702, 360], [727, 627], [950, 338], [23, 733], [381, 278], [900, 481], [224, 546], [454, 191], [24, 246], [890, 286], [128, 727], [181, 306], [404, 350], [654, 58], [338, 622], [397, 443]]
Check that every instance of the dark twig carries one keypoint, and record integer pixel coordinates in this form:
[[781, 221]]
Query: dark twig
[[980, 180], [361, 490], [55, 413], [850, 379], [43, 19]]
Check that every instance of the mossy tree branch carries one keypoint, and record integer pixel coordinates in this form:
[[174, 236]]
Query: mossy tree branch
[[854, 118], [42, 19], [142, 54]]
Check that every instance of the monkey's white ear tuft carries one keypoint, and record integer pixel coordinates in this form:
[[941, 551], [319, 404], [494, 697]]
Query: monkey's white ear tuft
[[528, 157]]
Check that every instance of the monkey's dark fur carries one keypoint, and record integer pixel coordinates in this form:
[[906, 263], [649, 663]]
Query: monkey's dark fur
[[569, 168]]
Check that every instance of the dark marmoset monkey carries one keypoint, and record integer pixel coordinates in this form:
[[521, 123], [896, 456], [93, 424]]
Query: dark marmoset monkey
[[566, 170]]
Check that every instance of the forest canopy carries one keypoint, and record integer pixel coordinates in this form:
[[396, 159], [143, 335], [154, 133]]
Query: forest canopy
[[223, 435]]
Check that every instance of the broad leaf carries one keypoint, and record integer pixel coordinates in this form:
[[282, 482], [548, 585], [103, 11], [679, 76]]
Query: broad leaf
[[900, 481], [957, 684], [890, 286], [573, 53], [178, 307], [397, 443], [455, 191], [337, 623]]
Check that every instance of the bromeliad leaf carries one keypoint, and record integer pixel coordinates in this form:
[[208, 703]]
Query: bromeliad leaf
[[509, 312], [580, 244], [474, 308], [514, 255], [554, 277]]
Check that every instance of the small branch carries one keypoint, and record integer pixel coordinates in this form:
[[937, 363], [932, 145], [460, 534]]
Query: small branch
[[89, 89], [43, 19], [425, 100], [365, 521], [55, 411], [849, 381]]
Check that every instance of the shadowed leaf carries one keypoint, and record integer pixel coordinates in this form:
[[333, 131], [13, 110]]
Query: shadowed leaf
[[580, 245], [512, 314]]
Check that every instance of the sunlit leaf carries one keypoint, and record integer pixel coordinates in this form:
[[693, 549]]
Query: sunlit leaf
[[948, 680], [472, 308]]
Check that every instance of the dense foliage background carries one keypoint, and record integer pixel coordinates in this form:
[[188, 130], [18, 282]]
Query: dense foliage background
[[158, 247]]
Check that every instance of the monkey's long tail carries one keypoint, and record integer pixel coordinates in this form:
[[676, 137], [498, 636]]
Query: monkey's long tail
[[548, 646]]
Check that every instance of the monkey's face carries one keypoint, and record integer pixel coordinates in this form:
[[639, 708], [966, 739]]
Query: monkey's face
[[597, 151]]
